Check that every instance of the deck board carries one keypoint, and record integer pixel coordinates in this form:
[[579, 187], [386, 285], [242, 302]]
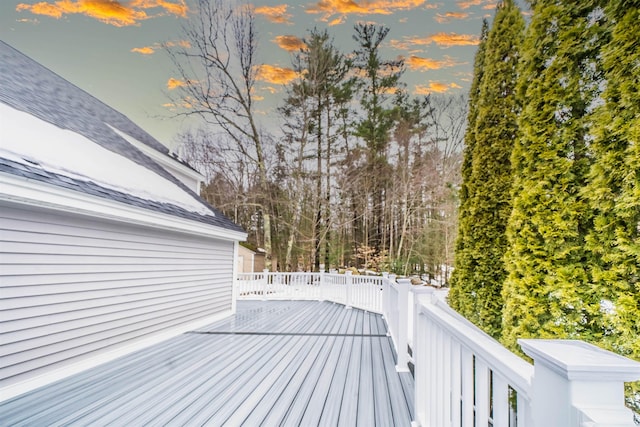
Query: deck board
[[274, 363]]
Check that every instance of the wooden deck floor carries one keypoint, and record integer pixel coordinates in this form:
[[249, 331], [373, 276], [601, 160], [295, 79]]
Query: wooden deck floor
[[291, 363]]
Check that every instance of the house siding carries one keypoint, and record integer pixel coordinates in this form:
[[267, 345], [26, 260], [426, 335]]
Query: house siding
[[73, 287]]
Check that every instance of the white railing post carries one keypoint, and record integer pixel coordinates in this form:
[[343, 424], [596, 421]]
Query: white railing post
[[415, 292], [386, 304], [403, 323], [348, 282], [385, 295], [321, 285], [265, 282], [576, 384]]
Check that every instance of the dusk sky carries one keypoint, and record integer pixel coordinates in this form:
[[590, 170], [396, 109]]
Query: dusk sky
[[112, 50]]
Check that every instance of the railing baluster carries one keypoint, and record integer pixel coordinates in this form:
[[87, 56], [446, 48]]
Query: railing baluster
[[482, 393], [523, 413], [421, 370], [429, 361], [456, 386], [438, 377], [500, 400], [433, 371], [445, 368], [467, 387]]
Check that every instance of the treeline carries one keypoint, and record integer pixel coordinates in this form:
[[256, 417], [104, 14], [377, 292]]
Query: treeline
[[360, 173], [549, 231]]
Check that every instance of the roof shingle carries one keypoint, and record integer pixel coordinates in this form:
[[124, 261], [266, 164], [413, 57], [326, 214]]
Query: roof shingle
[[28, 86]]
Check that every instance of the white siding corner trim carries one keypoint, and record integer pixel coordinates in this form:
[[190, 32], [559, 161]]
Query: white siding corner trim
[[236, 245], [77, 290]]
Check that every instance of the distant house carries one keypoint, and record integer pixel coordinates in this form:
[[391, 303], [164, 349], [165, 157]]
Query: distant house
[[105, 246], [250, 260]]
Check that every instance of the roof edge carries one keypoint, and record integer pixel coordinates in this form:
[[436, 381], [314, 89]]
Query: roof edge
[[24, 191]]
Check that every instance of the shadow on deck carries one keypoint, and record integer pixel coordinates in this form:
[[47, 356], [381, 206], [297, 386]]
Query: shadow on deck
[[274, 363]]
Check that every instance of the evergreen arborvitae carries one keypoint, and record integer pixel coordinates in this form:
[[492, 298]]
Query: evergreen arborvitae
[[496, 130], [614, 188], [459, 292], [546, 291], [480, 270]]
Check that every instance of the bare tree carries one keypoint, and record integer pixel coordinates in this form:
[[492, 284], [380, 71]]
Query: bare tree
[[441, 162], [217, 69]]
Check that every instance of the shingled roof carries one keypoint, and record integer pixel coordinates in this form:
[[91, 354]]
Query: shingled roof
[[27, 86]]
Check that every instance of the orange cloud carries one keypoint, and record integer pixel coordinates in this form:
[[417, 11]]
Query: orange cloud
[[464, 76], [276, 14], [486, 4], [150, 50], [175, 83], [435, 87], [418, 63], [146, 50], [275, 75], [186, 104], [453, 39], [108, 11], [289, 43], [441, 39], [178, 8], [182, 43], [449, 16], [330, 8], [466, 4], [42, 8]]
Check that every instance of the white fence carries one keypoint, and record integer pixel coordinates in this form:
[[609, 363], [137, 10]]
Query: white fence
[[363, 292], [462, 376]]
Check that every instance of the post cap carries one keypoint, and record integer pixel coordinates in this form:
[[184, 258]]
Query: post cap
[[578, 360]]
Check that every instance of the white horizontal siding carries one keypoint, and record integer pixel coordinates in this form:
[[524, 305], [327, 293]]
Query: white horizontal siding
[[72, 287]]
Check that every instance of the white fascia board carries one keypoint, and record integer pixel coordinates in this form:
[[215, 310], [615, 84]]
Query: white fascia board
[[163, 159], [29, 192]]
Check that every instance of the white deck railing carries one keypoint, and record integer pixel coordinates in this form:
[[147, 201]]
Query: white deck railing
[[363, 292], [463, 373], [462, 376]]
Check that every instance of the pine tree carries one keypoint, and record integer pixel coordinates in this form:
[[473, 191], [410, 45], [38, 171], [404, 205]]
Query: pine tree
[[546, 291], [311, 110], [459, 292], [378, 79], [614, 188]]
